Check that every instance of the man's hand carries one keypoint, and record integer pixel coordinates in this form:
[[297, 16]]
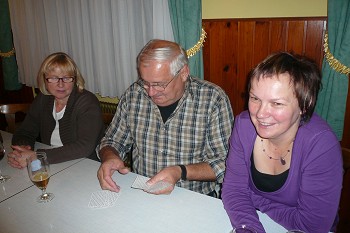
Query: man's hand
[[199, 171], [111, 163], [170, 175]]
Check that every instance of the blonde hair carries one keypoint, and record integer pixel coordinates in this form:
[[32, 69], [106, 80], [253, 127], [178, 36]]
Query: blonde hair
[[66, 64]]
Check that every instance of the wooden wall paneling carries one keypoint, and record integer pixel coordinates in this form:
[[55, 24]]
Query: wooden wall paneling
[[277, 37], [314, 40], [217, 51], [214, 61], [212, 72], [237, 45], [230, 59], [296, 37], [261, 41], [221, 44], [244, 62], [206, 51]]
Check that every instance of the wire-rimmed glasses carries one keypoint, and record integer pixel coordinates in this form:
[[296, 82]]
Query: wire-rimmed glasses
[[158, 86], [55, 79]]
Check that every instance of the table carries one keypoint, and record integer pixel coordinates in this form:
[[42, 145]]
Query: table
[[135, 211], [19, 177]]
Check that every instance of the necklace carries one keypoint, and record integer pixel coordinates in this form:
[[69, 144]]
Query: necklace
[[281, 158]]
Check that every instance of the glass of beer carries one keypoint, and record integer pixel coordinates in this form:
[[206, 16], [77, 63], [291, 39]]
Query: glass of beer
[[243, 229], [3, 178], [39, 173]]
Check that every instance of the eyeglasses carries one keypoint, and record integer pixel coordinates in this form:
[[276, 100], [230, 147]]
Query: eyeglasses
[[65, 79], [156, 86]]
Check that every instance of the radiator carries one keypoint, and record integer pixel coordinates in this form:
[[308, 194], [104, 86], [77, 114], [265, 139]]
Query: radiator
[[108, 107]]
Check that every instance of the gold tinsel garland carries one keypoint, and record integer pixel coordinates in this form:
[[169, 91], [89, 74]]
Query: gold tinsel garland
[[8, 54], [332, 61], [192, 51]]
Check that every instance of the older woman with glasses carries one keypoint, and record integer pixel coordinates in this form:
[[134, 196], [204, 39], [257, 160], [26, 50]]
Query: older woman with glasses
[[177, 126], [64, 115]]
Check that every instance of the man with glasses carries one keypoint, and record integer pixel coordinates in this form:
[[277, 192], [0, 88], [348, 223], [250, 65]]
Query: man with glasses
[[177, 126]]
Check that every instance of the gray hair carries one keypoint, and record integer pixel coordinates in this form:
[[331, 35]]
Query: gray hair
[[163, 51]]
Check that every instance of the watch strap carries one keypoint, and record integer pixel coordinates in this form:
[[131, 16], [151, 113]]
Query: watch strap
[[183, 172]]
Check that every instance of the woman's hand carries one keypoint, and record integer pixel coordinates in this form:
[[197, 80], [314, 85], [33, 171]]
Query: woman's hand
[[18, 157]]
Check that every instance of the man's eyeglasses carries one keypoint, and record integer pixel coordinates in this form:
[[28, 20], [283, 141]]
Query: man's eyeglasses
[[65, 79], [157, 86]]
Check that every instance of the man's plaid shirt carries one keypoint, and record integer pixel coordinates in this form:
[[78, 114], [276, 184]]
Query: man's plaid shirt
[[197, 131]]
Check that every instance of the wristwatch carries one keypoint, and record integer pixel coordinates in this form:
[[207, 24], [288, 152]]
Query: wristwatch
[[183, 172]]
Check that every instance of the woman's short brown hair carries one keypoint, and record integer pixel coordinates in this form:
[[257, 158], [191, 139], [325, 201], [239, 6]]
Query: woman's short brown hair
[[66, 64], [304, 74]]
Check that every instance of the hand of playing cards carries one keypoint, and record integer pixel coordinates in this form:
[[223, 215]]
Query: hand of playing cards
[[141, 183]]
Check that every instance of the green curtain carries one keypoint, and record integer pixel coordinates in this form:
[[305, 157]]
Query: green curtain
[[186, 20], [331, 104], [9, 65]]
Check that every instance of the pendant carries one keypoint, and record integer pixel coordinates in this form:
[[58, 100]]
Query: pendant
[[283, 162]]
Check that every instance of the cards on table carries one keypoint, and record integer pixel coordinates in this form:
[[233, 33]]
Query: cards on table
[[103, 199]]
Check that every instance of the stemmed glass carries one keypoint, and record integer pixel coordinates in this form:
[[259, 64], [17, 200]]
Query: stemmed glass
[[3, 178], [39, 174]]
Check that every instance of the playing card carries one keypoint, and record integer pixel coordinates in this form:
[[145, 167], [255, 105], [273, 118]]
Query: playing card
[[158, 186], [103, 199], [140, 183]]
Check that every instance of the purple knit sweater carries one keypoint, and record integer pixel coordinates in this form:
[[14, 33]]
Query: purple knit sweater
[[309, 198]]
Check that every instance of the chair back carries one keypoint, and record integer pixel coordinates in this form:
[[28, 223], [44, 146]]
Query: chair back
[[344, 206], [346, 158], [107, 118], [108, 110], [10, 110]]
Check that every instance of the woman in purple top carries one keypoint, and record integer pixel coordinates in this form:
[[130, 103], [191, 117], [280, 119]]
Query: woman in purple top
[[284, 160]]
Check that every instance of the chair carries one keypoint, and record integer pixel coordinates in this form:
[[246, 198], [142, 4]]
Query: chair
[[108, 110], [107, 118], [344, 210], [10, 110], [346, 159]]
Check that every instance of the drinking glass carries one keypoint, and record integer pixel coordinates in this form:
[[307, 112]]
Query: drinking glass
[[39, 173], [3, 178], [243, 229]]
